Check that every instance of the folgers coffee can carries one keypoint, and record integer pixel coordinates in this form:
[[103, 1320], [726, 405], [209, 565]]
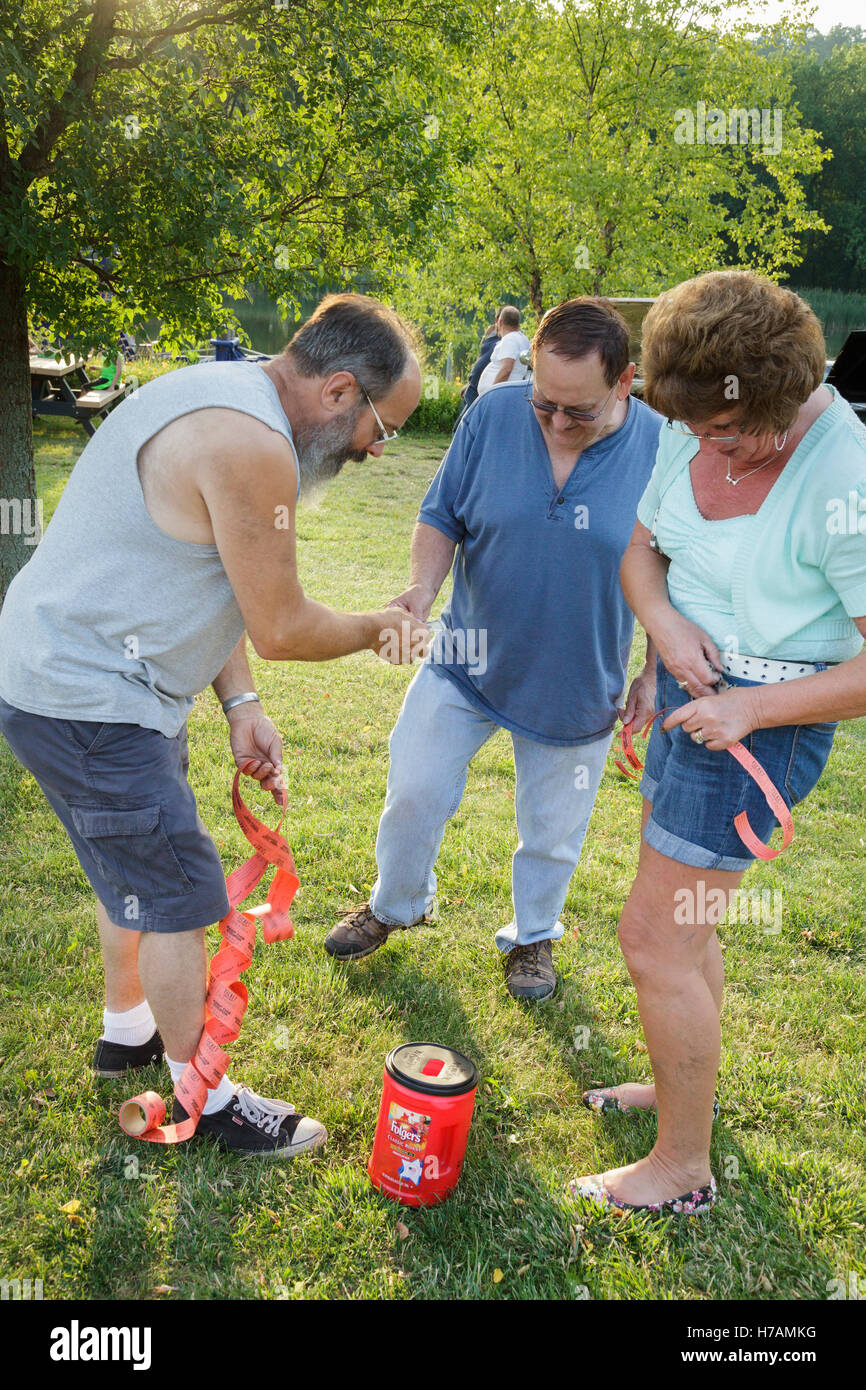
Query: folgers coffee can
[[428, 1094]]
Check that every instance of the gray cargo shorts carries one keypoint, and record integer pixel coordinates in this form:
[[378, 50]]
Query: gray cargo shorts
[[122, 794]]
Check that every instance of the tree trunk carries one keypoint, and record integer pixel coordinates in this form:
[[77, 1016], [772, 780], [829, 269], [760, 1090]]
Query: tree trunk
[[17, 474], [535, 296]]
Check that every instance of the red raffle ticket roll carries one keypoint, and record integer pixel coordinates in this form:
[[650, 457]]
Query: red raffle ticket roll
[[143, 1117], [772, 795]]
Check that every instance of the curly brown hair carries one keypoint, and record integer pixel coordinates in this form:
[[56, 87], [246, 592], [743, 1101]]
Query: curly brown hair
[[731, 341]]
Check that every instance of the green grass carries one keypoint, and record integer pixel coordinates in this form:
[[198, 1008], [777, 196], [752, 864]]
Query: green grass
[[788, 1150]]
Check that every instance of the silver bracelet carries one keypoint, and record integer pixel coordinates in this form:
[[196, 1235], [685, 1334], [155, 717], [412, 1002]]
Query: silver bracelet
[[239, 700]]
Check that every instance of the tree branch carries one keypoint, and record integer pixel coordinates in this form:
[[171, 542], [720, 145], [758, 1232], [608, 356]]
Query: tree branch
[[204, 275], [99, 271], [5, 158], [170, 31], [34, 157]]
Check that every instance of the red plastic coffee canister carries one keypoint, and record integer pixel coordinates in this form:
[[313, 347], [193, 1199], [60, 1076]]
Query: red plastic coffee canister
[[427, 1100]]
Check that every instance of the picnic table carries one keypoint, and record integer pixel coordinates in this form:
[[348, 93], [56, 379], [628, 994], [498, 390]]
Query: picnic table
[[64, 388]]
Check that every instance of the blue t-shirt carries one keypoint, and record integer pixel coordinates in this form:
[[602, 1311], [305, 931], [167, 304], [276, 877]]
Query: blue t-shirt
[[537, 632]]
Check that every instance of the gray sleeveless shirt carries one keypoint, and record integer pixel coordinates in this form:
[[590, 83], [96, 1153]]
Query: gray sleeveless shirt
[[111, 619]]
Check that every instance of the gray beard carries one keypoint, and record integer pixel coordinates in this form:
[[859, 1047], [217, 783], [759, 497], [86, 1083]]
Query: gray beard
[[323, 449]]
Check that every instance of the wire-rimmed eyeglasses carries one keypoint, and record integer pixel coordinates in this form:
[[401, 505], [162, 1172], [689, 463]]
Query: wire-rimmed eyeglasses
[[585, 416], [679, 428], [386, 436]]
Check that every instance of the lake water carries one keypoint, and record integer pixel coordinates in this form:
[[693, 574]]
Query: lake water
[[269, 331]]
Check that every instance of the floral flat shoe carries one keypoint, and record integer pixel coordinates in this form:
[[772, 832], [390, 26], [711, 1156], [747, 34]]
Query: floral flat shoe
[[603, 1102], [694, 1203]]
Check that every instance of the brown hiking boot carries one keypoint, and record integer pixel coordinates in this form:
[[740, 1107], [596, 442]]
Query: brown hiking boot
[[529, 972], [358, 934]]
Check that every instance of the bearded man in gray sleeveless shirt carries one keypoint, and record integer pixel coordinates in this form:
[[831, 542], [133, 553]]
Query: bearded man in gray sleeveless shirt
[[174, 538]]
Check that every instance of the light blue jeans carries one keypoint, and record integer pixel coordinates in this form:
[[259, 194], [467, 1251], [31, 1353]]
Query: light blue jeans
[[432, 744]]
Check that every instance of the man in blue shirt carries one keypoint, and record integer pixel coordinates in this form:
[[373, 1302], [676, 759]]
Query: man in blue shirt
[[535, 503]]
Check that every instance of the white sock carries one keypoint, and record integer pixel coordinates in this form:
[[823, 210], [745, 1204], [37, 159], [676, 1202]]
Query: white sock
[[218, 1097], [132, 1028]]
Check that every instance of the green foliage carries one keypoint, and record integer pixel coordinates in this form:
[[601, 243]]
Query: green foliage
[[825, 45], [830, 89], [580, 182], [168, 159], [437, 409]]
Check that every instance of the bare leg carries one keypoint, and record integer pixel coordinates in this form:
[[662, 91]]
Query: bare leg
[[713, 971], [641, 1096], [680, 1017], [173, 968], [123, 988]]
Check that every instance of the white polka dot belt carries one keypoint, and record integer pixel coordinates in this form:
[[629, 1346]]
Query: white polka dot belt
[[760, 668]]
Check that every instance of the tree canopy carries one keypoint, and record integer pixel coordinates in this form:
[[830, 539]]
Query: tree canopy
[[171, 153], [830, 85], [157, 156], [585, 179]]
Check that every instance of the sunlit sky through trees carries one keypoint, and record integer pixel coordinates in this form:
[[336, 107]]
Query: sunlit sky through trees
[[826, 13]]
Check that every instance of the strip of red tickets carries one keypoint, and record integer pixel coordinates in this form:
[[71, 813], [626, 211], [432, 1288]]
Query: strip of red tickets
[[143, 1117], [772, 795]]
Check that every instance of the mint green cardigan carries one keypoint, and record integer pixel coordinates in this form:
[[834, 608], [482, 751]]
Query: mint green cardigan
[[801, 569]]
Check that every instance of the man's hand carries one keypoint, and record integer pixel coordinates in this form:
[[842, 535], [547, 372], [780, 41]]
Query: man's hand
[[723, 719], [640, 704], [258, 748], [417, 600], [401, 638]]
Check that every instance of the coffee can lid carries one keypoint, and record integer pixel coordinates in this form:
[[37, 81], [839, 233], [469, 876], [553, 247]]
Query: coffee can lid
[[431, 1069]]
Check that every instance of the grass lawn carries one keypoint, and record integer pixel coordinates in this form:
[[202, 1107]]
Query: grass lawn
[[93, 1216]]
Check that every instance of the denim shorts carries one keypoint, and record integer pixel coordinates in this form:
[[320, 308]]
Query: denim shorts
[[122, 794], [696, 793]]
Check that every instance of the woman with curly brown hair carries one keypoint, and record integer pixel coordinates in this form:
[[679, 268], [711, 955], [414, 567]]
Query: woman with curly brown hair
[[755, 596]]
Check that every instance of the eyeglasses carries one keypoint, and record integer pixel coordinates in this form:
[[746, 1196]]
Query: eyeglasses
[[547, 408], [385, 437], [710, 438]]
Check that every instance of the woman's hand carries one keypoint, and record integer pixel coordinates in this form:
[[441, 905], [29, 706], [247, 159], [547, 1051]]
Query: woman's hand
[[688, 652], [722, 719], [258, 748]]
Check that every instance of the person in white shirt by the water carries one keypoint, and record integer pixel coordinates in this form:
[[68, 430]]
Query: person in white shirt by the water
[[505, 363]]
